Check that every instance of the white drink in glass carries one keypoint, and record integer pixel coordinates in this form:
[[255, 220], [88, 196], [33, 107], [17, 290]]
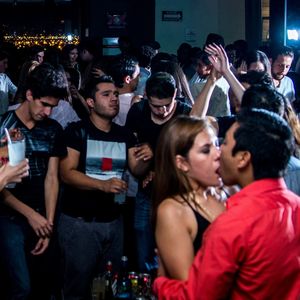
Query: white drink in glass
[[16, 151]]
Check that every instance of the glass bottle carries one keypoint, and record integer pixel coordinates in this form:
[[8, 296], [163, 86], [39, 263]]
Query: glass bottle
[[123, 283], [108, 294]]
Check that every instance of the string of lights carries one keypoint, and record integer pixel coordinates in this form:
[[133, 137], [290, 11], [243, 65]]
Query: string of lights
[[25, 40]]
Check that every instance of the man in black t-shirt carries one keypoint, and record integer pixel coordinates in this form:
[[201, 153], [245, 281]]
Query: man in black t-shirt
[[146, 119], [91, 227], [27, 211]]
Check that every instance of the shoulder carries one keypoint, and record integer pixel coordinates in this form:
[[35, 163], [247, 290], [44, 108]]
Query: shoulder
[[140, 106], [170, 208], [120, 130], [76, 128]]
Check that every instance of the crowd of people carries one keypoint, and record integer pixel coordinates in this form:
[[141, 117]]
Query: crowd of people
[[190, 158]]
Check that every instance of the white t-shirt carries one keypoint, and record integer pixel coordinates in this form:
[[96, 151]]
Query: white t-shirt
[[286, 88], [6, 88], [219, 105]]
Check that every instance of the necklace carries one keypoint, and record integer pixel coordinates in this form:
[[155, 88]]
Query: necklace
[[211, 216]]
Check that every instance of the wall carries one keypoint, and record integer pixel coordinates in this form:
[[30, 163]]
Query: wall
[[200, 17]]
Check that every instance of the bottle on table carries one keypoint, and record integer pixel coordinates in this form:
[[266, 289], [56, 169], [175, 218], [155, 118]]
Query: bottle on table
[[123, 283], [108, 276]]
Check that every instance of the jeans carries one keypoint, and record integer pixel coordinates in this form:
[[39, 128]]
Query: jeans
[[143, 231], [86, 248], [13, 235], [28, 276]]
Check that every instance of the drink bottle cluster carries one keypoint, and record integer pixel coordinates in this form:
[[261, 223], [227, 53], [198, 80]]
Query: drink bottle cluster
[[122, 285]]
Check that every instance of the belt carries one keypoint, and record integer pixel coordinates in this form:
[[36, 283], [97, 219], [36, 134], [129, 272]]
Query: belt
[[90, 219]]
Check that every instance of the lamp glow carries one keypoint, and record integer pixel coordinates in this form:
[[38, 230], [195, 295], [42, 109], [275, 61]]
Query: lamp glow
[[293, 34]]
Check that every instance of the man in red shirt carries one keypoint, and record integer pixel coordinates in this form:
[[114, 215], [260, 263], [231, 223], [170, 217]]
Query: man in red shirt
[[252, 250]]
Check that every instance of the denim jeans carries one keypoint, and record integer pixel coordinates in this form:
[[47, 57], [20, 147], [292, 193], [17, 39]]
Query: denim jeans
[[143, 231], [13, 234], [86, 247], [27, 276]]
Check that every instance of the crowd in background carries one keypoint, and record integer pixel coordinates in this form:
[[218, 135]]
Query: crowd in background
[[148, 124]]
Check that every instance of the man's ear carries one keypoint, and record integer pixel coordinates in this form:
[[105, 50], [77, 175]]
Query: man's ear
[[244, 159], [181, 163], [90, 102], [127, 79], [29, 96]]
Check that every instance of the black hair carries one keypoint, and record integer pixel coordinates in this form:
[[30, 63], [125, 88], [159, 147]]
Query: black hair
[[214, 38], [3, 55], [269, 140], [258, 56], [145, 55], [265, 97], [34, 50], [281, 50], [122, 66], [153, 44], [255, 77], [161, 85], [203, 56], [91, 86], [47, 81]]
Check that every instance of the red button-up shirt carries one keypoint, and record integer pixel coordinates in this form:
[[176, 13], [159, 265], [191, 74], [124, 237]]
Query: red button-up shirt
[[251, 251]]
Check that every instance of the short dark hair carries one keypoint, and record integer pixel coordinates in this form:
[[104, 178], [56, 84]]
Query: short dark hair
[[269, 140], [255, 77], [215, 38], [281, 50], [264, 97], [161, 85], [91, 86], [3, 55], [47, 81], [203, 56], [145, 55], [122, 66]]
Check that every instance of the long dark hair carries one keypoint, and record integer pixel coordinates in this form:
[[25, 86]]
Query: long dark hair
[[176, 138]]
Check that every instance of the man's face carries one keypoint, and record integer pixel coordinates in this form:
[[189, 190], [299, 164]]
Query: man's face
[[202, 69], [281, 66], [106, 102], [228, 163], [40, 56], [161, 108], [3, 65], [41, 108], [73, 55]]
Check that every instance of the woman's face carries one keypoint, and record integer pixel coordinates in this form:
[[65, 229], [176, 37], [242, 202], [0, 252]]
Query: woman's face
[[203, 160], [257, 66]]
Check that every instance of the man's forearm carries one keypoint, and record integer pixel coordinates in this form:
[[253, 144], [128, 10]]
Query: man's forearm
[[51, 195], [10, 200]]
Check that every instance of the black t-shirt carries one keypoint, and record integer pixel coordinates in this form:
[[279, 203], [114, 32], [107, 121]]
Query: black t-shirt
[[139, 121], [43, 141], [103, 155]]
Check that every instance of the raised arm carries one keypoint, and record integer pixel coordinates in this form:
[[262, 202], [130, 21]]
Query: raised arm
[[201, 104], [219, 60]]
